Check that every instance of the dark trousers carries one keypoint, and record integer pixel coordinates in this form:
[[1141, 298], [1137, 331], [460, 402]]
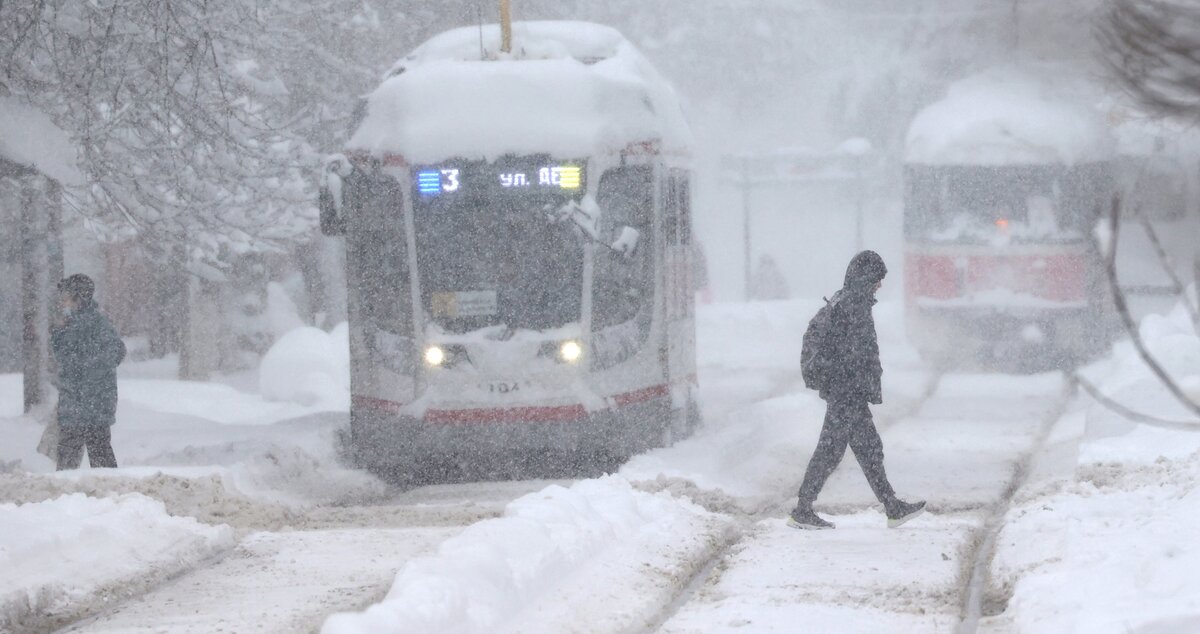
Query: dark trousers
[[97, 439], [847, 423]]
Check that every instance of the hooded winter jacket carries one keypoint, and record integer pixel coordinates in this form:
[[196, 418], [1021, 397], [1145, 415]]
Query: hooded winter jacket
[[88, 351], [851, 344]]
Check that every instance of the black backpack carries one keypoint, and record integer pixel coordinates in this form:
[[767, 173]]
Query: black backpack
[[814, 361]]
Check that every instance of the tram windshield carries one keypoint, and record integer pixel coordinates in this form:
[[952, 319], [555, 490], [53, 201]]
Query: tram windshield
[[489, 249], [1030, 203]]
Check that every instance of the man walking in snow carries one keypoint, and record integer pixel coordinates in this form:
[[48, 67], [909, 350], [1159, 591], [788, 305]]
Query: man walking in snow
[[88, 351], [850, 380]]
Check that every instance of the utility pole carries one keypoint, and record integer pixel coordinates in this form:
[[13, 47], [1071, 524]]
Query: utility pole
[[1016, 16], [505, 26], [859, 203], [746, 243], [54, 245], [31, 295]]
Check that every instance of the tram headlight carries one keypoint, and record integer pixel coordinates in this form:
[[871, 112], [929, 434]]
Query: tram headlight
[[435, 355], [570, 351]]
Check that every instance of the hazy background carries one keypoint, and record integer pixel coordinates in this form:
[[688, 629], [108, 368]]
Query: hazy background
[[759, 76], [194, 236]]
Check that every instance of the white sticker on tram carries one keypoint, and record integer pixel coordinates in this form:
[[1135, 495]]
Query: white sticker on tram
[[465, 304]]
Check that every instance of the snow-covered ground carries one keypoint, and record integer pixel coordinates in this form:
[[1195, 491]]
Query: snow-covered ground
[[63, 556], [242, 499], [1108, 544], [957, 449]]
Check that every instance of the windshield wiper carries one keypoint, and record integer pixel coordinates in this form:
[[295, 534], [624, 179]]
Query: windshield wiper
[[586, 217]]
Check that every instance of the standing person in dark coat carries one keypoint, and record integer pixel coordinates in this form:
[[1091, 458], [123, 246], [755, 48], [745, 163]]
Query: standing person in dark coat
[[853, 383], [88, 351]]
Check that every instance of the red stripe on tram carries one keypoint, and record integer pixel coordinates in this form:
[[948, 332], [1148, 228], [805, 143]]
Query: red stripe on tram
[[530, 414]]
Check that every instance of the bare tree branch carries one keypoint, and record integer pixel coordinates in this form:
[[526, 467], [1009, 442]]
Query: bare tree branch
[[1168, 266], [1122, 307], [1153, 50], [1135, 416]]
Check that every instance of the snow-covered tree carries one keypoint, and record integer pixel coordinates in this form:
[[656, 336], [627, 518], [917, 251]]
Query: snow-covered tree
[[200, 121]]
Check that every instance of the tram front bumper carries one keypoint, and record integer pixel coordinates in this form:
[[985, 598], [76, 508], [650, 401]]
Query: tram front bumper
[[382, 438], [976, 330]]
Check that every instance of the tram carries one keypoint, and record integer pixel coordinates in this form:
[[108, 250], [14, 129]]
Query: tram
[[1004, 186], [519, 253]]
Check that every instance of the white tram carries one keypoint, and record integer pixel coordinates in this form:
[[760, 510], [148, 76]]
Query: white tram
[[519, 253]]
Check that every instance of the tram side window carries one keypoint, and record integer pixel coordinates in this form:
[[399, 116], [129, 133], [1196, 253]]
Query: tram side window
[[683, 194], [670, 205], [677, 212], [377, 254], [623, 283]]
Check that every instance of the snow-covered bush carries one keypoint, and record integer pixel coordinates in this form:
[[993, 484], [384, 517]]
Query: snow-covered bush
[[309, 366], [1173, 341]]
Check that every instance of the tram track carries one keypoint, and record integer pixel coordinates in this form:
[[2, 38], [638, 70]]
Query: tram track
[[962, 600], [978, 599], [412, 510], [268, 534], [302, 567], [746, 522]]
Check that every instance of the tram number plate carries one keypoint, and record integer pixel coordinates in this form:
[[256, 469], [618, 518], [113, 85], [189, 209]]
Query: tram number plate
[[503, 387]]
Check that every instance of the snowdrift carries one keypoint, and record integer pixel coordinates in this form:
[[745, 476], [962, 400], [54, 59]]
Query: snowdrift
[[63, 558], [1009, 117], [1114, 549], [631, 549], [309, 367]]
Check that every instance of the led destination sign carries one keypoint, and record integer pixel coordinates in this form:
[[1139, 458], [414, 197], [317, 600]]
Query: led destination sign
[[435, 182], [565, 176]]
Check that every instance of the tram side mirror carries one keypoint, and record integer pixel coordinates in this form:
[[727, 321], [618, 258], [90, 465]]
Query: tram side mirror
[[584, 214], [332, 224], [329, 201], [627, 242]]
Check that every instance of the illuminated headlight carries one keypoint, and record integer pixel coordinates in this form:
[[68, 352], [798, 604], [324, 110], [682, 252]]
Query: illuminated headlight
[[570, 351], [435, 355]]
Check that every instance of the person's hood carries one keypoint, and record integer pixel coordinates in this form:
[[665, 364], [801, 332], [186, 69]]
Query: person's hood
[[865, 271]]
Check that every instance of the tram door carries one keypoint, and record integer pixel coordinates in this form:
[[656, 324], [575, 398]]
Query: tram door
[[677, 275]]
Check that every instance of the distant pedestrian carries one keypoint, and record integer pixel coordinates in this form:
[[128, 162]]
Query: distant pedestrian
[[768, 283], [88, 351], [841, 359]]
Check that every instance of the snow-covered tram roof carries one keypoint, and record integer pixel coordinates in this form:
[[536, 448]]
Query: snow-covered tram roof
[[1007, 117], [569, 89]]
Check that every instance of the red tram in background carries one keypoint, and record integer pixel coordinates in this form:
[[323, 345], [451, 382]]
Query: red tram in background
[[1003, 190]]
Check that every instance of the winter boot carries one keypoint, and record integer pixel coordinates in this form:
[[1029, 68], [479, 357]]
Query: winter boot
[[806, 519], [899, 512]]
